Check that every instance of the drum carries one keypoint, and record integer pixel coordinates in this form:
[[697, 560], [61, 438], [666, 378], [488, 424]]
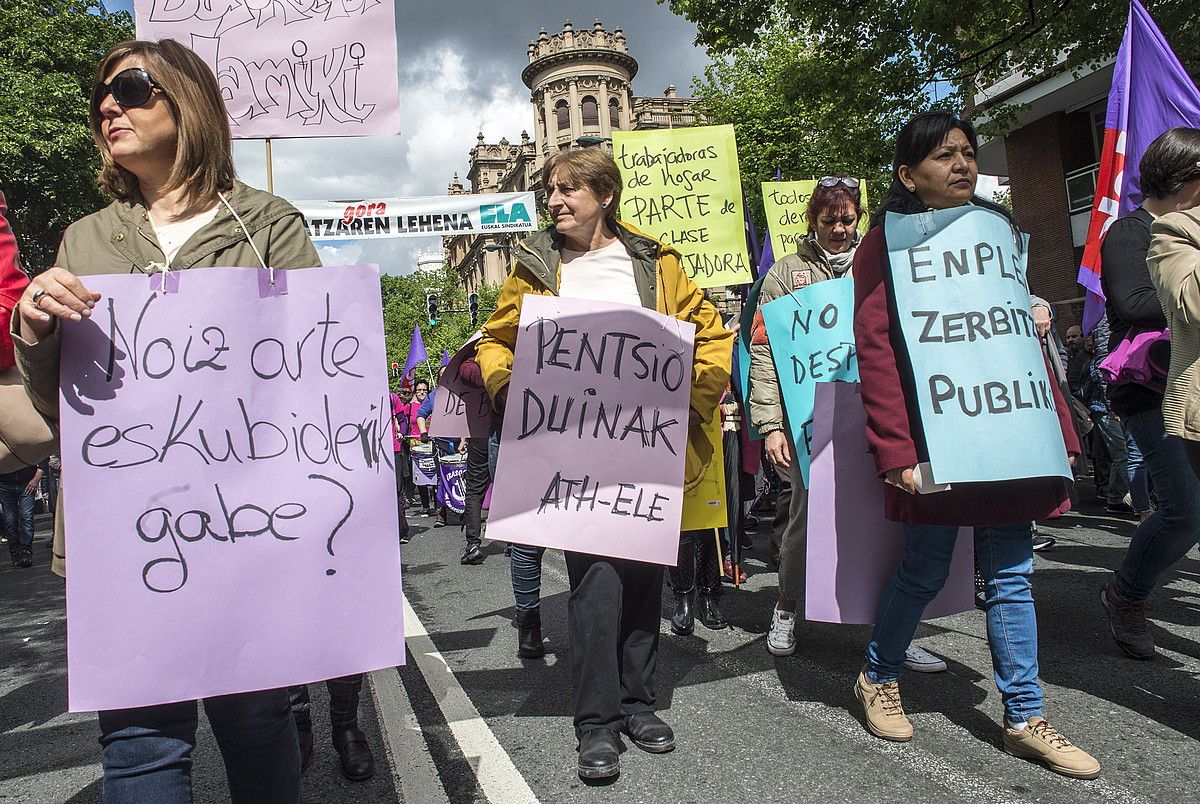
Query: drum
[[452, 477], [424, 465]]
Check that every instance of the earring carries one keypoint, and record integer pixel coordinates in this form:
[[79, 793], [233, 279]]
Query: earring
[[911, 189], [604, 205]]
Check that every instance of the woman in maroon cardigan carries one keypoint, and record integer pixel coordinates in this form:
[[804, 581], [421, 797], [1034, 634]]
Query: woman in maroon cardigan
[[934, 168]]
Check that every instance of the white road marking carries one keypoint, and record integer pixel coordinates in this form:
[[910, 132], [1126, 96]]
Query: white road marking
[[413, 772], [498, 777]]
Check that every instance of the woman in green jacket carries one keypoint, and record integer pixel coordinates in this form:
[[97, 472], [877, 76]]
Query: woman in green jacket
[[160, 124]]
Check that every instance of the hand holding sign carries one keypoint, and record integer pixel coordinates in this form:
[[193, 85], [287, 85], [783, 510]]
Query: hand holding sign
[[812, 341], [595, 430], [231, 460], [963, 309]]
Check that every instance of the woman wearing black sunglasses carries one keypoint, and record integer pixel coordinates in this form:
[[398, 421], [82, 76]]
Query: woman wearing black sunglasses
[[161, 126]]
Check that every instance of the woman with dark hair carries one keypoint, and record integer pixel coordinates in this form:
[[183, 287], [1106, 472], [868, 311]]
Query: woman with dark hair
[[1170, 181], [614, 606], [160, 124], [826, 252], [934, 168]]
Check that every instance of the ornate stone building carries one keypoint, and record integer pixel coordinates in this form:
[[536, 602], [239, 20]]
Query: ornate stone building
[[580, 86]]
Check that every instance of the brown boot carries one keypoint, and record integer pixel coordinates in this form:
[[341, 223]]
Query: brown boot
[[882, 708]]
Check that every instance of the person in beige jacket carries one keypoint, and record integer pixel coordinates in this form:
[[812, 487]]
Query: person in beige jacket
[[827, 252], [1174, 262]]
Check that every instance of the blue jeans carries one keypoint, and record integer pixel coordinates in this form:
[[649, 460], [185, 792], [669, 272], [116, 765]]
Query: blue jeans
[[1004, 557], [1139, 475], [526, 565], [1174, 528], [1113, 435], [147, 752], [18, 516], [525, 562]]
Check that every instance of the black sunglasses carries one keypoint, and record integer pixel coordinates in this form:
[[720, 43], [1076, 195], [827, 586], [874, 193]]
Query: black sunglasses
[[129, 88]]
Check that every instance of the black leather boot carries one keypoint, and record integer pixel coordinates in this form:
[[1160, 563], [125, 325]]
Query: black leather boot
[[683, 584], [708, 610], [708, 587], [683, 621], [599, 754], [358, 764], [529, 634]]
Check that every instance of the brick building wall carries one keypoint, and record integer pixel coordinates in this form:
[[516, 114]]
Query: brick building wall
[[1037, 183]]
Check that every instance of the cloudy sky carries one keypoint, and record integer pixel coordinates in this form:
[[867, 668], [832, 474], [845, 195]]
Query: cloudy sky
[[460, 73]]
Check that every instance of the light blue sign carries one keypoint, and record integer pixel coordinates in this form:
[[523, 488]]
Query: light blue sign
[[984, 397], [811, 331]]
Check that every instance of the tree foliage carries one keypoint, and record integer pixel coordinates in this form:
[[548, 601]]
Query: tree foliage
[[49, 50], [795, 114], [404, 307], [917, 42]]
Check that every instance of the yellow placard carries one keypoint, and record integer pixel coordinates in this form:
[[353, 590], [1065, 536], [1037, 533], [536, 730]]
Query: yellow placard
[[682, 186], [786, 202], [704, 506]]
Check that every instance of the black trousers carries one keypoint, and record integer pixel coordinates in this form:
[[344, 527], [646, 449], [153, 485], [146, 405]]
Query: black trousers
[[343, 702], [475, 487], [613, 614]]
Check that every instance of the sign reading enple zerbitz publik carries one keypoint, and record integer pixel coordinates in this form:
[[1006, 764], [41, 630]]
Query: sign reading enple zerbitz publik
[[683, 186], [595, 430], [230, 496], [299, 68], [983, 393]]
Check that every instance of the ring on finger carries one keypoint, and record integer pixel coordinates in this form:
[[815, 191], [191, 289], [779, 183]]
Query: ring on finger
[[37, 296]]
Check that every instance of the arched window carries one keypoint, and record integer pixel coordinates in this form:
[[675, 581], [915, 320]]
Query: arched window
[[563, 113], [614, 113], [591, 112]]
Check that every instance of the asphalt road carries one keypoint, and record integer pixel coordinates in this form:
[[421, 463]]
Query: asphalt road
[[466, 720]]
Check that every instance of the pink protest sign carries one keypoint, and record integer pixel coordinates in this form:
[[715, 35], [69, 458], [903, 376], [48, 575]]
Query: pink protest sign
[[291, 68], [595, 430], [229, 487], [853, 552], [461, 409]]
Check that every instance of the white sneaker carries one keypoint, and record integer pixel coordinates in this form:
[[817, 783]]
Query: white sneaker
[[920, 660], [781, 641]]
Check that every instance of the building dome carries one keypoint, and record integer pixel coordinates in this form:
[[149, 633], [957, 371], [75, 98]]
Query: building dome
[[580, 86]]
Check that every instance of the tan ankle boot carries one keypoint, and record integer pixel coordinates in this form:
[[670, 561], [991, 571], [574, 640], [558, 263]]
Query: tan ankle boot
[[1041, 742], [884, 713]]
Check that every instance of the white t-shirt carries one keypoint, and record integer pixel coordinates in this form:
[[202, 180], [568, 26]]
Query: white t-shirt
[[172, 236], [605, 274]]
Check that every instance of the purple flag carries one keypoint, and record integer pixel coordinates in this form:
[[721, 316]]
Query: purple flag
[[751, 234], [768, 254], [766, 257], [445, 357], [1151, 93], [416, 354]]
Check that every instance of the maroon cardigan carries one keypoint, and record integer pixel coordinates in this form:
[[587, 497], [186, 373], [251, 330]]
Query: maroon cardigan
[[891, 435]]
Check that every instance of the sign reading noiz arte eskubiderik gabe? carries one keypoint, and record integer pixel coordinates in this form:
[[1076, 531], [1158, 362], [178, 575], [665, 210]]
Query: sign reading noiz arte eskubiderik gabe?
[[231, 507]]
